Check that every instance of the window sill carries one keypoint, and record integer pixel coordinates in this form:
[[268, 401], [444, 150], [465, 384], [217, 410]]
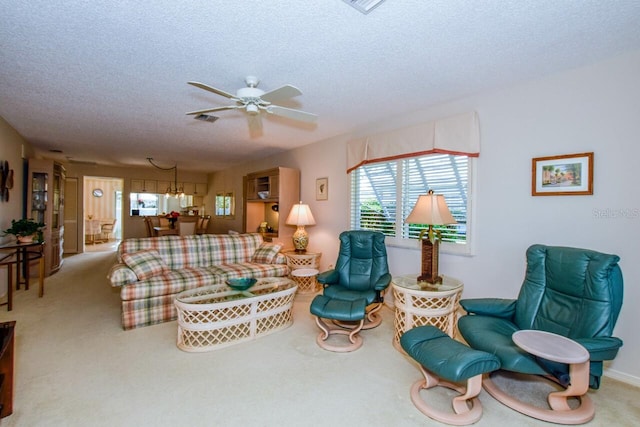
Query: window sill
[[445, 248]]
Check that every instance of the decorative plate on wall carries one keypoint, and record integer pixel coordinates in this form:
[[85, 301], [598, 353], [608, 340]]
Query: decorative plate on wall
[[97, 192]]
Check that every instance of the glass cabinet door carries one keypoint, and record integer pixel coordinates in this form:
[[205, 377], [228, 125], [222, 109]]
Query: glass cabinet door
[[39, 196], [55, 217]]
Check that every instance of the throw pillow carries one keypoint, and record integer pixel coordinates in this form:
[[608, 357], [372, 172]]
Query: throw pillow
[[266, 253], [146, 263]]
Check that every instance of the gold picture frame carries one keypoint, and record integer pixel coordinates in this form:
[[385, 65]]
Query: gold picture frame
[[564, 175]]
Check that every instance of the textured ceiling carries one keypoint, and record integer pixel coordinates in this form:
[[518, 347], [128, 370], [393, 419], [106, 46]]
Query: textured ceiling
[[105, 80]]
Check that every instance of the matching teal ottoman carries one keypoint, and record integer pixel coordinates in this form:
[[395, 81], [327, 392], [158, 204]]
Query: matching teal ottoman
[[334, 309], [445, 361]]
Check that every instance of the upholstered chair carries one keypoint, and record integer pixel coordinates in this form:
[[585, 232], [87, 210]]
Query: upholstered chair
[[574, 293], [361, 271]]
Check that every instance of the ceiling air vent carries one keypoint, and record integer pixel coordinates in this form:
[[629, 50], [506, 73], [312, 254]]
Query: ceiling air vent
[[364, 6], [206, 118]]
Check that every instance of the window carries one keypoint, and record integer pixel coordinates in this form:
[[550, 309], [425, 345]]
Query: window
[[143, 204], [383, 194], [149, 204]]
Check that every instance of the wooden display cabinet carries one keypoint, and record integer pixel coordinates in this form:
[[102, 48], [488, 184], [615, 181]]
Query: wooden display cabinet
[[45, 203], [283, 188], [6, 367]]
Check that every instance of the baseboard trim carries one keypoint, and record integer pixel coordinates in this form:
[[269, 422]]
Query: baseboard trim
[[621, 376]]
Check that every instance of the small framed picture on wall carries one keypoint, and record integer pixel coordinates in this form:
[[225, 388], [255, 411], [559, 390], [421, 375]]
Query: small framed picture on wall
[[565, 175], [322, 189]]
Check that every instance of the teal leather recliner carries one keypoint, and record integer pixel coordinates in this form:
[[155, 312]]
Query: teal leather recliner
[[361, 271], [576, 293]]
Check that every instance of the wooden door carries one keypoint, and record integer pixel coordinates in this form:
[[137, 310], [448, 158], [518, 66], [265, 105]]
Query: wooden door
[[71, 216]]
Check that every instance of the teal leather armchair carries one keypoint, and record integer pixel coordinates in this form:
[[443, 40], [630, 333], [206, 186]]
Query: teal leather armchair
[[361, 271], [576, 293]]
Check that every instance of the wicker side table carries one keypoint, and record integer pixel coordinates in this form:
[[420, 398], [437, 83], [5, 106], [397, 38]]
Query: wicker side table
[[304, 270], [425, 304], [306, 280]]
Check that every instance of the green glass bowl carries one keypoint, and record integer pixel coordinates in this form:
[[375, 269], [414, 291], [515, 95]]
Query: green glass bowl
[[241, 284]]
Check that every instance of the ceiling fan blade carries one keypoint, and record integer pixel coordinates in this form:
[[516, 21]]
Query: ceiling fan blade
[[291, 113], [211, 110], [213, 89], [255, 125], [284, 92]]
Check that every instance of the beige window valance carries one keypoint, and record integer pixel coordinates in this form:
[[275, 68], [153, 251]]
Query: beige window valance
[[452, 135]]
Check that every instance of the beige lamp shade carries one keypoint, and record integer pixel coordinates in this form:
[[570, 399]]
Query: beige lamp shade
[[430, 209], [300, 215]]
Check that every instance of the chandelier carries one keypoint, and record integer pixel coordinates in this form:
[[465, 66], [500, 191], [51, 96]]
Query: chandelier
[[171, 191]]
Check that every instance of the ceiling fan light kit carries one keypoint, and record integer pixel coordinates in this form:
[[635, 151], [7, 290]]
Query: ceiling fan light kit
[[253, 100], [206, 118], [364, 6]]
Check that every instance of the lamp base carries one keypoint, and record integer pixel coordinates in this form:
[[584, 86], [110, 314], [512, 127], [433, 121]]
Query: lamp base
[[300, 239], [430, 262]]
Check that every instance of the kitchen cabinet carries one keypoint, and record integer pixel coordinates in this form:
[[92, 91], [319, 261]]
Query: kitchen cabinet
[[188, 188], [144, 186], [201, 189]]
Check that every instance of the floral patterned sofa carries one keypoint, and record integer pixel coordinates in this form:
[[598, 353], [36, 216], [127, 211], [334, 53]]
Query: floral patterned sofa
[[151, 271]]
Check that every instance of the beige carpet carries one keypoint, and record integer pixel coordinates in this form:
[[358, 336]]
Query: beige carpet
[[75, 366]]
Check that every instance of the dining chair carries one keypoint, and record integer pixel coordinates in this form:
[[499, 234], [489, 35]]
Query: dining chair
[[203, 223], [186, 228], [107, 228], [149, 226]]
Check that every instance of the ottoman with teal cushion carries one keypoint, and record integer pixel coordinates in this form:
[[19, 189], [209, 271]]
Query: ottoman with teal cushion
[[445, 361], [324, 307]]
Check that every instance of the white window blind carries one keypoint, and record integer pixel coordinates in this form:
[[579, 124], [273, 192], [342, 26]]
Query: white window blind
[[383, 194]]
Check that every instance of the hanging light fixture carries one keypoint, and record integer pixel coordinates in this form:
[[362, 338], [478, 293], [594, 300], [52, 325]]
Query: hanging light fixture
[[171, 191]]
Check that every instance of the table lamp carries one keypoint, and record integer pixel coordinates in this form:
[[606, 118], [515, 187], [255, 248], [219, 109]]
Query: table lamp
[[300, 216], [430, 209]]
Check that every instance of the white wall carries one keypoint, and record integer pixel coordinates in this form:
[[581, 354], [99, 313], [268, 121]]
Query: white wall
[[12, 148], [596, 108]]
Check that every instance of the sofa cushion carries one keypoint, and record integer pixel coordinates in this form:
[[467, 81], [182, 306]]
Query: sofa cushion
[[170, 283], [145, 264], [226, 249], [248, 269], [176, 251], [266, 253]]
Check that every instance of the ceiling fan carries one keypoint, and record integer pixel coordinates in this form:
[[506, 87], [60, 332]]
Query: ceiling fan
[[253, 100]]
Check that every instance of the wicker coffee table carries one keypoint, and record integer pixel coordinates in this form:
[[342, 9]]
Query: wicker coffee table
[[217, 316]]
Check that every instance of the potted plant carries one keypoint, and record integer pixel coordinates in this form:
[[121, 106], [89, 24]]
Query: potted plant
[[172, 217], [25, 229]]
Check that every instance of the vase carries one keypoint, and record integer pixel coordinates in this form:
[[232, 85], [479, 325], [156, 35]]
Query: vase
[[25, 239]]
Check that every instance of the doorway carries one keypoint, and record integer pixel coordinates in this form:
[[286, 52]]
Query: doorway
[[102, 213]]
